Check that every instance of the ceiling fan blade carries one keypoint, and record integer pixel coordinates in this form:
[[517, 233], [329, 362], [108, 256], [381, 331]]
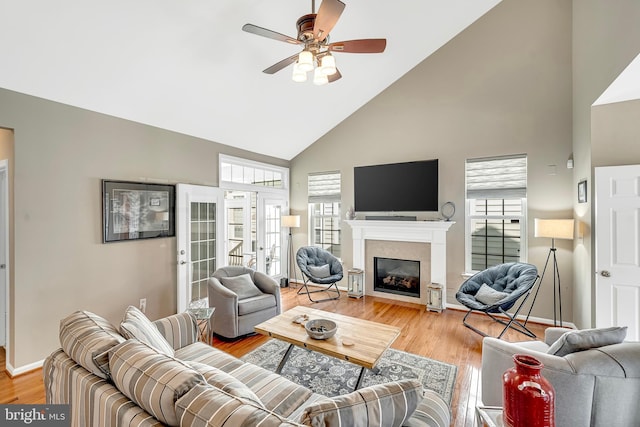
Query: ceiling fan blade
[[359, 46], [335, 76], [328, 14], [254, 29], [280, 65]]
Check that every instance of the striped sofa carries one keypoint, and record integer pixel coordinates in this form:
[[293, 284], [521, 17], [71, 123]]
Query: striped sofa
[[153, 374]]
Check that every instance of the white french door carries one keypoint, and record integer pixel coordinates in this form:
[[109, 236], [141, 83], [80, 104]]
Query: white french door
[[271, 239], [200, 241], [617, 241]]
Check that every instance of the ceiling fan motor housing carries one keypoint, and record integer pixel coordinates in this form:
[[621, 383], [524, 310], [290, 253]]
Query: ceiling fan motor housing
[[305, 26]]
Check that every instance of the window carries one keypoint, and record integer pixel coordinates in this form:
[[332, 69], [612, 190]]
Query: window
[[240, 173], [324, 211], [495, 211]]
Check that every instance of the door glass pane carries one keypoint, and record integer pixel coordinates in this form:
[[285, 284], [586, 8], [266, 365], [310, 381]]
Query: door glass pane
[[273, 229], [203, 242]]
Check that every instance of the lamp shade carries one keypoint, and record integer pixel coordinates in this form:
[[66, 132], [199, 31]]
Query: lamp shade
[[298, 75], [554, 228], [305, 61], [328, 65], [291, 221]]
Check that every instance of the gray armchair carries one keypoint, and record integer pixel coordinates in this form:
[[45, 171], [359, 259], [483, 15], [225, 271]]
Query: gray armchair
[[242, 298], [595, 387]]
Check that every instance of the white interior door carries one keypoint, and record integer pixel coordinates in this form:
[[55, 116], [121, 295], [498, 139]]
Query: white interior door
[[4, 245], [199, 231], [617, 234], [271, 244]]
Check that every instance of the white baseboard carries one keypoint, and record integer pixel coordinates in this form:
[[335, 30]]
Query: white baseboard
[[533, 319], [23, 369]]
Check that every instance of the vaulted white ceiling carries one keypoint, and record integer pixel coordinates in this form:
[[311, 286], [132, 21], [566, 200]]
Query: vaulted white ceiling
[[625, 87], [188, 67]]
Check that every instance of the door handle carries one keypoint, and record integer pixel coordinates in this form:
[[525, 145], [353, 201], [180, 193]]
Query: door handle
[[605, 273], [183, 262]]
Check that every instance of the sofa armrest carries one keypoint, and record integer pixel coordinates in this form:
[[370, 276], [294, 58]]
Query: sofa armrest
[[179, 330], [552, 335], [497, 357], [268, 285], [225, 301]]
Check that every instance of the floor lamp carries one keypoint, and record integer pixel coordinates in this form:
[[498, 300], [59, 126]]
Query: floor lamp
[[290, 221], [553, 229]]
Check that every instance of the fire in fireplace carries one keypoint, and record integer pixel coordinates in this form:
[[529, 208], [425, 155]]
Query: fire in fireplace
[[397, 276]]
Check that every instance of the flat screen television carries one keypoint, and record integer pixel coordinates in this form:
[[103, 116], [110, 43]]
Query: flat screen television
[[397, 187]]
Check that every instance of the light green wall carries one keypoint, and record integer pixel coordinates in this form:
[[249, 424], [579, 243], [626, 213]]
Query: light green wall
[[61, 154], [606, 38], [503, 86]]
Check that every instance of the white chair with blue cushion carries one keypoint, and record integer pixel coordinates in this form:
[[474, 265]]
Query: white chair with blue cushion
[[321, 267], [242, 298], [496, 290]]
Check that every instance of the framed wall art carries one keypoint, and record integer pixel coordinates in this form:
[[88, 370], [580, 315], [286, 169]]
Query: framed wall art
[[137, 210], [582, 191]]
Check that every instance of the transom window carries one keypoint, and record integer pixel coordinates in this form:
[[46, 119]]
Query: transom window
[[495, 211], [242, 173], [324, 211]]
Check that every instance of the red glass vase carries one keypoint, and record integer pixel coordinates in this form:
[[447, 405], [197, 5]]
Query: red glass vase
[[528, 397]]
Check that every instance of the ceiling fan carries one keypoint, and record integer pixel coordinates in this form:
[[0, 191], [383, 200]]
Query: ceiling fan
[[313, 36]]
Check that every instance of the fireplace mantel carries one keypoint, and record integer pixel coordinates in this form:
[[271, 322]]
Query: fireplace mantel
[[432, 232]]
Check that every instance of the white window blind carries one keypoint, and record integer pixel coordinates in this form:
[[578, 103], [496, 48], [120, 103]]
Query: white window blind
[[497, 178], [324, 187]]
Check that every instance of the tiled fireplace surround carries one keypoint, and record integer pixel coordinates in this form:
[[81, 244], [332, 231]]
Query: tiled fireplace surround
[[423, 241]]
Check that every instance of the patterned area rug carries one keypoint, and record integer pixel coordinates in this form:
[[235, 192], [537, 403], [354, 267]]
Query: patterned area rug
[[329, 376]]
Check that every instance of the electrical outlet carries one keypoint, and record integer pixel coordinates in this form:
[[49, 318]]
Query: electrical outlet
[[143, 305]]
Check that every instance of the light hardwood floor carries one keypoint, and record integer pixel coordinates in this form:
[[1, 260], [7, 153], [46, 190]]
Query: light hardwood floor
[[440, 336]]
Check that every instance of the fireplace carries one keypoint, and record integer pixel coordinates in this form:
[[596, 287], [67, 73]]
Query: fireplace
[[396, 276], [402, 240]]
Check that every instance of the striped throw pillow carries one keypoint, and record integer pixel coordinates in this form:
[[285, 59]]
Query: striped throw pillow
[[153, 380], [277, 393], [179, 330], [207, 406], [136, 325], [384, 405], [86, 338], [225, 382]]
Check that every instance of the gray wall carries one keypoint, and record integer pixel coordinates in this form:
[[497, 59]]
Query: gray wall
[[606, 38], [615, 134], [61, 154], [503, 86]]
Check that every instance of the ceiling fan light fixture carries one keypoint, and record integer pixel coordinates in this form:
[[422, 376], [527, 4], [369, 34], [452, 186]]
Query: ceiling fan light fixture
[[305, 61], [319, 78], [328, 65], [299, 76]]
